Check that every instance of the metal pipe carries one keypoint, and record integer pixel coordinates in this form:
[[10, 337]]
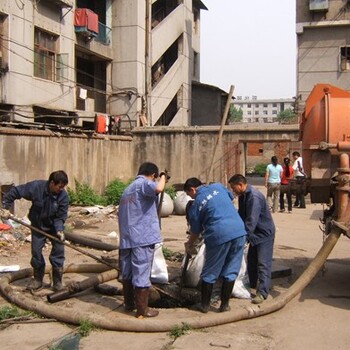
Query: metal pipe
[[343, 186]]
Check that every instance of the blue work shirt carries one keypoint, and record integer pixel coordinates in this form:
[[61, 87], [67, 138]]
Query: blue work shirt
[[48, 211], [256, 215], [214, 215], [137, 215]]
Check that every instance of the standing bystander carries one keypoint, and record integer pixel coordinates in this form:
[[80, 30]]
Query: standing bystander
[[287, 175], [273, 183], [301, 180]]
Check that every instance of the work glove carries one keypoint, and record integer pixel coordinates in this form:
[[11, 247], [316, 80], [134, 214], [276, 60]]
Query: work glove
[[190, 249], [166, 174], [5, 214], [60, 236]]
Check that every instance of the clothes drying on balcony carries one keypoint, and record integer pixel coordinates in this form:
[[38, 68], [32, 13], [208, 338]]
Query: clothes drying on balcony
[[86, 22]]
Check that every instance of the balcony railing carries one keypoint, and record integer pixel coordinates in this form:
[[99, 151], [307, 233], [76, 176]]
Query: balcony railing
[[104, 34]]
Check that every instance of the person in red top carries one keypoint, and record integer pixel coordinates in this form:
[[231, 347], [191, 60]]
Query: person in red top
[[287, 174]]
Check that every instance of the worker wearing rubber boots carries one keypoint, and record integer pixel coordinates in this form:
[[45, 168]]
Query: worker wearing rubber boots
[[260, 227], [213, 215], [139, 232], [48, 213]]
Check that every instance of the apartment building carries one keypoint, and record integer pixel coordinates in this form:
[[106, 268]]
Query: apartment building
[[261, 111], [75, 63], [323, 32]]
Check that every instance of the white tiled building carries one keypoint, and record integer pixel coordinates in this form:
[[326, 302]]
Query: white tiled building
[[261, 111]]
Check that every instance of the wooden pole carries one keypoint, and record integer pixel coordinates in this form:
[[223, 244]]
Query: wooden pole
[[218, 141]]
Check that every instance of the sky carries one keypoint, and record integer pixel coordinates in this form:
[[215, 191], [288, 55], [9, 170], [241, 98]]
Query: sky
[[250, 44]]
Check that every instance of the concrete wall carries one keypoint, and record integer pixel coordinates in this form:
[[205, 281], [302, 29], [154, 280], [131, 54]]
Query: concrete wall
[[30, 155], [27, 155]]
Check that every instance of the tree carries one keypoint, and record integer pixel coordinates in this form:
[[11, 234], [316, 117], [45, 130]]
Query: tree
[[235, 115], [287, 116]]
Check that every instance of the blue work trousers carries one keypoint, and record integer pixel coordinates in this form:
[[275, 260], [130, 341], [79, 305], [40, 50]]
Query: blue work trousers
[[136, 265], [56, 255], [223, 261], [259, 265]]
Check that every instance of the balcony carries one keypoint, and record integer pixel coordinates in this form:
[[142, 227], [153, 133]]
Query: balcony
[[104, 34], [86, 23]]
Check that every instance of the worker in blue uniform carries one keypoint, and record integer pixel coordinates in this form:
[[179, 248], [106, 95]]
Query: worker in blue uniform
[[48, 213], [213, 215], [139, 232], [260, 227]]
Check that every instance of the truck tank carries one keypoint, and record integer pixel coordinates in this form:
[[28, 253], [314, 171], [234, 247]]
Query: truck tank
[[325, 136]]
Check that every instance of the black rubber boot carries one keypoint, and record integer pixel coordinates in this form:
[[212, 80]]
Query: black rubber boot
[[226, 291], [206, 290], [128, 291], [57, 273], [141, 301], [37, 282]]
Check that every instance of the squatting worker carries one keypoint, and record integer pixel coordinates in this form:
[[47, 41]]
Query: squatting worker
[[260, 227], [48, 213], [139, 232], [214, 216]]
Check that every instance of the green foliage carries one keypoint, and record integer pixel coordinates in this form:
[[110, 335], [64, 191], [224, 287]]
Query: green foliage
[[7, 312], [171, 192], [167, 253], [287, 116], [260, 169], [85, 328], [114, 191], [84, 195], [235, 115], [179, 330]]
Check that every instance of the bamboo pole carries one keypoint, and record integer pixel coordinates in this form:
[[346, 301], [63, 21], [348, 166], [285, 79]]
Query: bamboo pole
[[218, 141]]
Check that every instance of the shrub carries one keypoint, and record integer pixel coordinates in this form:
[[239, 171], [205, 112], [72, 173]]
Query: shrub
[[171, 192], [260, 169], [114, 191], [84, 195]]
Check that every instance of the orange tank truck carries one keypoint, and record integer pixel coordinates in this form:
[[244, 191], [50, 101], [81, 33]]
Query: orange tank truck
[[325, 136]]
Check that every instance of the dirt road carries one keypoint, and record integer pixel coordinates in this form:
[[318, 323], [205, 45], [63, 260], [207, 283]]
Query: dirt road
[[317, 318]]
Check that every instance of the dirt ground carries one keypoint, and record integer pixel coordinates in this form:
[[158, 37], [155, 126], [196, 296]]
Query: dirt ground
[[317, 318]]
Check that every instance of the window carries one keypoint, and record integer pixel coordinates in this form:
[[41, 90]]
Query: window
[[265, 112], [249, 105], [45, 51], [249, 113], [257, 105], [274, 112], [256, 112], [274, 105], [345, 58], [265, 105]]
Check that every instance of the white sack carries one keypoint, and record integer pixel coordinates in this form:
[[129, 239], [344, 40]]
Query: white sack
[[159, 272]]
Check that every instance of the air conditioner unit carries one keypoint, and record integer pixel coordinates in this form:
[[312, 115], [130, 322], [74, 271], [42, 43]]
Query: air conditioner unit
[[319, 5]]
